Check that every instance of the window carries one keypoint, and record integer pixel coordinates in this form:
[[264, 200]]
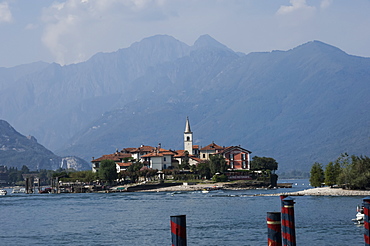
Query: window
[[204, 155], [244, 166], [231, 164], [164, 158], [187, 138], [232, 157], [243, 157]]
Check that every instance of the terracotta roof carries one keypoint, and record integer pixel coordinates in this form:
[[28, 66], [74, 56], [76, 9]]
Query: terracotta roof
[[124, 164], [127, 150], [115, 157], [195, 158], [212, 146], [195, 146], [179, 153], [143, 149], [160, 152], [230, 148]]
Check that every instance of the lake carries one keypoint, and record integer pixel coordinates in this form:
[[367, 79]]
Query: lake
[[217, 218]]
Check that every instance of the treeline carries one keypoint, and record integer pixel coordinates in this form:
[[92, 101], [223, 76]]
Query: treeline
[[349, 172], [214, 168]]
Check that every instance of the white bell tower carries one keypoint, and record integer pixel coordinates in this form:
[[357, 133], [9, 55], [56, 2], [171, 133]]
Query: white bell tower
[[188, 138]]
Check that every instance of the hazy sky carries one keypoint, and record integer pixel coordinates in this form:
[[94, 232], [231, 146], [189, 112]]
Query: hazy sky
[[70, 31]]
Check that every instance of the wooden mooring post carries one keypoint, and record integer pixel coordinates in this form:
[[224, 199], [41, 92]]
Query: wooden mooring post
[[288, 223], [366, 204], [178, 230], [274, 228]]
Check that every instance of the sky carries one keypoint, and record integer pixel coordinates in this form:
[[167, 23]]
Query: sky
[[71, 31]]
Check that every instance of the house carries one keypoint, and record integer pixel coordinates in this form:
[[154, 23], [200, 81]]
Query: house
[[137, 153], [117, 157], [160, 159], [236, 157], [210, 149]]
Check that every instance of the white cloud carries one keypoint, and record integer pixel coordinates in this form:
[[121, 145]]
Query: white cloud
[[325, 4], [296, 5], [5, 13], [79, 24]]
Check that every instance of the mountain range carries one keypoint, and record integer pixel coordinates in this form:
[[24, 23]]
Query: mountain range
[[17, 151], [305, 105]]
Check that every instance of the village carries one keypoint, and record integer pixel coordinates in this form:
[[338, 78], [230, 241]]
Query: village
[[171, 164], [236, 157]]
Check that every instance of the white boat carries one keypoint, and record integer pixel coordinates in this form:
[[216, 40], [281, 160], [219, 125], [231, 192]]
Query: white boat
[[19, 190], [3, 192], [359, 216]]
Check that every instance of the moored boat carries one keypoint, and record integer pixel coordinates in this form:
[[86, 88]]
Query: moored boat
[[19, 190], [360, 215], [3, 192]]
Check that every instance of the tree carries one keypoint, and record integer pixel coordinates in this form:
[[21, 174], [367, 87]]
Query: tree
[[108, 171], [317, 175], [264, 163], [203, 169], [185, 164], [358, 173], [25, 169], [330, 175], [217, 164]]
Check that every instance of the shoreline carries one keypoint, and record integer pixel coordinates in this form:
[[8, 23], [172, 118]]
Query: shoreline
[[321, 191], [327, 191]]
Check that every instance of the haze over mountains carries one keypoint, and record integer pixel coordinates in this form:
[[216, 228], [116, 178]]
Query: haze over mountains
[[307, 104], [17, 150]]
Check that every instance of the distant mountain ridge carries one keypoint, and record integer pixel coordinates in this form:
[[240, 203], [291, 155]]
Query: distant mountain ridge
[[17, 150], [299, 106]]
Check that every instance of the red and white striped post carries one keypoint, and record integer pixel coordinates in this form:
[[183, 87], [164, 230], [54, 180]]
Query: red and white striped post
[[366, 204], [274, 228], [178, 230], [288, 223]]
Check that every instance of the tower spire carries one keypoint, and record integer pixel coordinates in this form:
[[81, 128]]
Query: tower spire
[[188, 138], [187, 126]]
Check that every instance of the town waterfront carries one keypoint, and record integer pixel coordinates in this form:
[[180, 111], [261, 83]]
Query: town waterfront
[[216, 218]]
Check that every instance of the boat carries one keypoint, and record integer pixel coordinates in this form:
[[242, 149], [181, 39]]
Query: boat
[[19, 190], [3, 192], [46, 191], [359, 216]]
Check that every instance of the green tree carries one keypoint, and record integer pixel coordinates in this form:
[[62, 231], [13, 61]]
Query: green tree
[[264, 163], [25, 169], [360, 172], [317, 175], [203, 170], [346, 175], [108, 171], [330, 175], [134, 171], [185, 163], [217, 164]]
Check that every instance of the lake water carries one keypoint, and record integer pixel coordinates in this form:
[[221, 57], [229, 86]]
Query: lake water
[[227, 218]]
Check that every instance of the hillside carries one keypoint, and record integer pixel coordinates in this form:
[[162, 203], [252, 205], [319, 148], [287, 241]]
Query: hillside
[[299, 106], [17, 150]]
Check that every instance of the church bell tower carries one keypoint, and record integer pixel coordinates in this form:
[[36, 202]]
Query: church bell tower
[[188, 138]]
